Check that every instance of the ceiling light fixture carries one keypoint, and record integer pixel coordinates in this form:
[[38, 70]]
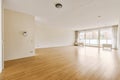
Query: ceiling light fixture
[[99, 16], [58, 5]]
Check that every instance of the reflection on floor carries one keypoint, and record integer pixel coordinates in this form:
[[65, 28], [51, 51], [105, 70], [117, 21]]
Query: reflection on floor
[[65, 63]]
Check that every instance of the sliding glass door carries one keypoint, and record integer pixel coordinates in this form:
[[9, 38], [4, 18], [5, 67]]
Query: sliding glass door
[[89, 38], [105, 36], [96, 37], [82, 37], [92, 38]]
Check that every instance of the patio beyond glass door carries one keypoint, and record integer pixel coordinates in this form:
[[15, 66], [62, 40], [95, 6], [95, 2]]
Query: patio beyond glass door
[[105, 36], [82, 37], [96, 37], [92, 38]]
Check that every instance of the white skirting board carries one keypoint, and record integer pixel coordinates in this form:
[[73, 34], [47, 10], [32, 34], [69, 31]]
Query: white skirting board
[[16, 56], [50, 46]]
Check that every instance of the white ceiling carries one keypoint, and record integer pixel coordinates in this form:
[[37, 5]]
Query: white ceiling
[[74, 14]]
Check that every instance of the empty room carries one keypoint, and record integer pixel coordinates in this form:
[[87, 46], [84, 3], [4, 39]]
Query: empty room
[[60, 40]]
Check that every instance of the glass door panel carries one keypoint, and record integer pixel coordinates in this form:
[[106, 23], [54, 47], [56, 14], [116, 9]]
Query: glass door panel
[[88, 37], [92, 38], [105, 36], [82, 37]]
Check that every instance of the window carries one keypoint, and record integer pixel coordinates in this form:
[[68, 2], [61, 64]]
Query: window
[[92, 38], [105, 36], [96, 37], [82, 37]]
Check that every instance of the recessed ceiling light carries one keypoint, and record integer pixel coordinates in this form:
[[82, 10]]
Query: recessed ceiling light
[[58, 5]]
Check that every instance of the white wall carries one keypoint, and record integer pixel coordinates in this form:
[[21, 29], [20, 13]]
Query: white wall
[[0, 36], [15, 44], [53, 36]]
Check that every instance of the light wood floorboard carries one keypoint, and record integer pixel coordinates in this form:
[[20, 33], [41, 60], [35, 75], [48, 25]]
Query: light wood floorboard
[[65, 63]]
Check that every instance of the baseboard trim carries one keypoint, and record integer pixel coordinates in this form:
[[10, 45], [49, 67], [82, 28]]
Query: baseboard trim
[[21, 57], [53, 46]]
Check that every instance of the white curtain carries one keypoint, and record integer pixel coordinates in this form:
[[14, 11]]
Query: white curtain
[[119, 38], [76, 43], [115, 38]]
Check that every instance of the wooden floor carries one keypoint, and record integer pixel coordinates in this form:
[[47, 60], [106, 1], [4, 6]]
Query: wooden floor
[[65, 63]]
